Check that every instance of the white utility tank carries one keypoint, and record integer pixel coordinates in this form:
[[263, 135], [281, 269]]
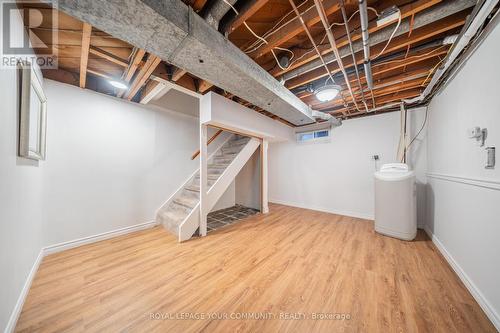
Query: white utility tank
[[396, 201]]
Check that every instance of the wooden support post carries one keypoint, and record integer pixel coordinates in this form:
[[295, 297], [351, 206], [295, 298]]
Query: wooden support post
[[203, 180], [264, 206]]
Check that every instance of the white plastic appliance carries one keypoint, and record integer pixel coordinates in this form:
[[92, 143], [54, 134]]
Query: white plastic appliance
[[395, 201]]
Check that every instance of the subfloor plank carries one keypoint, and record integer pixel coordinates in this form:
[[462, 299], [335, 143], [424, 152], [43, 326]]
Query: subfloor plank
[[283, 268]]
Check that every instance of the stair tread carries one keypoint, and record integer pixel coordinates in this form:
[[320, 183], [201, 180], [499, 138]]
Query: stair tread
[[186, 201], [177, 211]]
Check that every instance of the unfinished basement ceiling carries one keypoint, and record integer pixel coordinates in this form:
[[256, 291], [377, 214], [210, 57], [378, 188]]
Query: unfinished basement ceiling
[[402, 66]]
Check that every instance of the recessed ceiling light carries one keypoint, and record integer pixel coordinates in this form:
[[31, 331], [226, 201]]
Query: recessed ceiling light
[[118, 84], [327, 92]]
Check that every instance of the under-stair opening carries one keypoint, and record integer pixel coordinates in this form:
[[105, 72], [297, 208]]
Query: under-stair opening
[[227, 216]]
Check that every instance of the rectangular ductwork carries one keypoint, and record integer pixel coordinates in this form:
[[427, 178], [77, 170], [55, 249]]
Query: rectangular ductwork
[[172, 31]]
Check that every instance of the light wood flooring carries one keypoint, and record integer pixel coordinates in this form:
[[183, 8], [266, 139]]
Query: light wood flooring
[[285, 267]]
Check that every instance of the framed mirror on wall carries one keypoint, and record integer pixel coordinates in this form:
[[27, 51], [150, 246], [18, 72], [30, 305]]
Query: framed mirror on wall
[[33, 114]]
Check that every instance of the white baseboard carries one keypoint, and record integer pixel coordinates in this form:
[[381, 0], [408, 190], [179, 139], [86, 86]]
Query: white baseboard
[[96, 238], [14, 316], [469, 284], [11, 324], [359, 215]]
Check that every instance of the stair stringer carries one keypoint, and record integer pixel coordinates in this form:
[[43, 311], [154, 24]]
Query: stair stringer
[[220, 186], [192, 222], [189, 180]]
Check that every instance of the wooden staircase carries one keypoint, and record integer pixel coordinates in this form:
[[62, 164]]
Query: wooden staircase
[[181, 213]]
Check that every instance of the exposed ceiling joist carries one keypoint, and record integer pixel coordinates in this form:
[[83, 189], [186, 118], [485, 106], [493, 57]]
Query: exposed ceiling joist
[[249, 9], [401, 42], [204, 86], [143, 75], [429, 16], [84, 57], [378, 84], [178, 73], [394, 97], [173, 32], [108, 56], [294, 28], [135, 61], [406, 11]]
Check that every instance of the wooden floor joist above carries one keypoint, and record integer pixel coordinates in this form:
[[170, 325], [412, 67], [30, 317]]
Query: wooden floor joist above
[[286, 266], [272, 35]]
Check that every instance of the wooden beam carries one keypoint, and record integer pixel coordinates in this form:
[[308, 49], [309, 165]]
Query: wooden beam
[[204, 86], [143, 75], [406, 11], [415, 83], [108, 56], [248, 10], [384, 100], [136, 59], [178, 73], [400, 42], [134, 64], [294, 28], [198, 5], [385, 82], [84, 57]]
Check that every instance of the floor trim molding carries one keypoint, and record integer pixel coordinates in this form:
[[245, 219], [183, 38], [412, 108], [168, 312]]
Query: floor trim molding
[[14, 316], [44, 251], [490, 312], [96, 238], [323, 209]]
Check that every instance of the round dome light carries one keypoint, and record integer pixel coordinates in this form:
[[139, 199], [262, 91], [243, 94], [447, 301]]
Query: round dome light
[[327, 92]]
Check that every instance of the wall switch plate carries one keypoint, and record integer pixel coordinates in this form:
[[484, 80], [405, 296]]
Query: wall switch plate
[[490, 161]]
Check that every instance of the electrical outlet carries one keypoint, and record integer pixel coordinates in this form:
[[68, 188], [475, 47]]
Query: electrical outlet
[[375, 157]]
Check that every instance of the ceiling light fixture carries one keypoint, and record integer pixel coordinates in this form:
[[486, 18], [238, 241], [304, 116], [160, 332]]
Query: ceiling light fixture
[[118, 84], [327, 92]]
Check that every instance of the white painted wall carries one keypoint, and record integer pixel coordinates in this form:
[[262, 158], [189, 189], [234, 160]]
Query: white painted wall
[[20, 192], [247, 192], [464, 218], [337, 176], [110, 164]]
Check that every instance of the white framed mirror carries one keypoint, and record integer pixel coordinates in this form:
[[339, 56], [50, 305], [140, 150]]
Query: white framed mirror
[[33, 114]]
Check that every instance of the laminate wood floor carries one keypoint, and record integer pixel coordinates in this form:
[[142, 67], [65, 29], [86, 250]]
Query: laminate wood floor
[[285, 271]]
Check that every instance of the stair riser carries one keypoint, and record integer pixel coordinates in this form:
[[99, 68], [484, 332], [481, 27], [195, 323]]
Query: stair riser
[[172, 216]]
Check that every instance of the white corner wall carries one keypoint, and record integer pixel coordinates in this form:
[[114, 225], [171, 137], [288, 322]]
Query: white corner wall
[[110, 165], [20, 206], [463, 197], [247, 183], [337, 176]]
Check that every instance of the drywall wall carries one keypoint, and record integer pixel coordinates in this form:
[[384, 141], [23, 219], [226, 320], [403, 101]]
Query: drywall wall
[[111, 163], [463, 197], [337, 176], [20, 193], [247, 191]]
